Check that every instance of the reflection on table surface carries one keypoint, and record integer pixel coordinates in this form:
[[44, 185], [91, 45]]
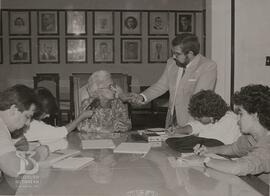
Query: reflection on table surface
[[131, 175]]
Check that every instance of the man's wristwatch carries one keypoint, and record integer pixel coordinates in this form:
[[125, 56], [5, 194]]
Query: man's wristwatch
[[205, 161]]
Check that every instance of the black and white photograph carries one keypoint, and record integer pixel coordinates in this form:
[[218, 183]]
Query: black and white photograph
[[20, 50], [135, 98], [48, 50], [131, 23], [19, 23], [76, 50], [103, 23], [184, 23], [158, 23], [76, 23], [158, 51], [1, 51], [48, 22], [103, 50], [131, 50]]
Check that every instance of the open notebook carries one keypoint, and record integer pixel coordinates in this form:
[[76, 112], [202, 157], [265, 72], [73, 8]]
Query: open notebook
[[133, 148], [98, 144], [73, 163]]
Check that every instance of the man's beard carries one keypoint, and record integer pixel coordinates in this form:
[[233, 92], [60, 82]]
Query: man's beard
[[179, 64]]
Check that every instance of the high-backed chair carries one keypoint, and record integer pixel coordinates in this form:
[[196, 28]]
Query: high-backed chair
[[51, 82], [79, 80]]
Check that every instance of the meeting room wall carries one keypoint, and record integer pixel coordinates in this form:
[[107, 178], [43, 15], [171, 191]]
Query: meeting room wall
[[252, 42], [143, 73]]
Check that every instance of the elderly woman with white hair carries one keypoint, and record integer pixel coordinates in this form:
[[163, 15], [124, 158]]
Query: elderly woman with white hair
[[111, 115]]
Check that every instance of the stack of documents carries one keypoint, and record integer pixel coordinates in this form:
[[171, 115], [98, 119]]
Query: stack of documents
[[133, 148], [60, 155], [98, 144], [73, 163]]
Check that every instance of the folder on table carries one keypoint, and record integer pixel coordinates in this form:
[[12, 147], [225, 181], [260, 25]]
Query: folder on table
[[59, 155], [133, 148], [98, 144], [73, 163]]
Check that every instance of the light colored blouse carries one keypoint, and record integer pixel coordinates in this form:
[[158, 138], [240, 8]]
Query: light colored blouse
[[106, 119]]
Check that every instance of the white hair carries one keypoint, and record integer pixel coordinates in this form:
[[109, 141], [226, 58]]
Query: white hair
[[98, 80]]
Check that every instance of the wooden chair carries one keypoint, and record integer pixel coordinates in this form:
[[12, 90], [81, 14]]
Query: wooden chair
[[51, 82], [79, 80]]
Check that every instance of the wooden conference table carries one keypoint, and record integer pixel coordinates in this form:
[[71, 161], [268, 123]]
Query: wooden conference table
[[132, 175]]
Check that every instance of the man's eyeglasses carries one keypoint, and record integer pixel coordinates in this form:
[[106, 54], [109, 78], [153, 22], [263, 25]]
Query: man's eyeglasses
[[177, 54]]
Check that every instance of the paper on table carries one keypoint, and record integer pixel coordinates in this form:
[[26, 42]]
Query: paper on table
[[59, 155], [98, 144], [73, 163], [133, 148]]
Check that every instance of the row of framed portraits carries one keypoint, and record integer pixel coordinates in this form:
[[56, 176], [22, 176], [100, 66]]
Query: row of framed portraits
[[76, 50], [103, 22]]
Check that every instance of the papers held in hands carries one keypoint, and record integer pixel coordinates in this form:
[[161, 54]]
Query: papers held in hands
[[98, 144], [73, 163], [133, 148]]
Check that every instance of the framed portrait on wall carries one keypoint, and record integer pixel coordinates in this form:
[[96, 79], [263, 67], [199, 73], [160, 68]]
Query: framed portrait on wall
[[131, 50], [76, 50], [48, 50], [19, 23], [103, 50], [131, 23], [76, 23], [103, 23], [158, 23], [48, 22], [158, 50], [0, 22], [20, 50], [1, 51], [184, 22]]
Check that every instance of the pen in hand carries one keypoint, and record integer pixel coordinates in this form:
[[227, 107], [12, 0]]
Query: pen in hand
[[199, 149]]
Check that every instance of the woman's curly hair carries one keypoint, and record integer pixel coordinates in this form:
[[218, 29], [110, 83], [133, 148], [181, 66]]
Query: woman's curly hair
[[207, 103], [255, 99]]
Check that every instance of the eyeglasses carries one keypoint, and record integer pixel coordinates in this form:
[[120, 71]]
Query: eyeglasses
[[110, 86], [177, 54]]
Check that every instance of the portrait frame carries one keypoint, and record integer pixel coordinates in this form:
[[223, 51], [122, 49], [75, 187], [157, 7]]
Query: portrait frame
[[1, 51], [158, 50], [133, 28], [99, 56], [158, 23], [190, 28], [76, 22], [131, 50], [51, 54], [19, 22], [25, 55], [48, 23], [103, 23], [76, 50], [1, 24]]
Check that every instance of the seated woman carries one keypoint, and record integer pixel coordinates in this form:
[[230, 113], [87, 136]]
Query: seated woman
[[46, 133], [212, 118], [252, 149], [111, 115]]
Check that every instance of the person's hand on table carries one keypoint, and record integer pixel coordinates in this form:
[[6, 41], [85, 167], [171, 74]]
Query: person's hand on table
[[200, 149]]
